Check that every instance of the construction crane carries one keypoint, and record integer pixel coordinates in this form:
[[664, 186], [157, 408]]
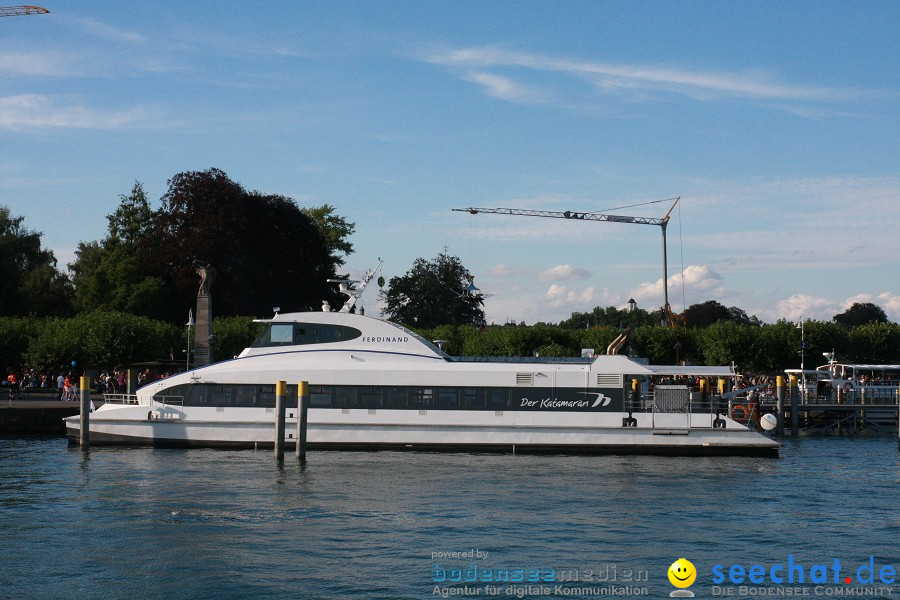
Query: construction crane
[[17, 11], [596, 216]]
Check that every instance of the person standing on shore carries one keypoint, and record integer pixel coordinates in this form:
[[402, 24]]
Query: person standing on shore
[[60, 386], [13, 386]]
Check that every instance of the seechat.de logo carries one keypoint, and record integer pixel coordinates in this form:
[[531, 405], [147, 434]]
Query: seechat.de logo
[[682, 574]]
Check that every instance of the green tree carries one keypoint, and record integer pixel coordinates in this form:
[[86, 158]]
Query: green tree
[[30, 283], [778, 348], [335, 231], [115, 274], [15, 332], [724, 342], [233, 334], [662, 345], [860, 314], [132, 224], [100, 339], [265, 250], [610, 317], [875, 343], [433, 293]]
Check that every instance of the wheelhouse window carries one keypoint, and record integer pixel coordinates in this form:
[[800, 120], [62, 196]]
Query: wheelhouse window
[[175, 394], [302, 334]]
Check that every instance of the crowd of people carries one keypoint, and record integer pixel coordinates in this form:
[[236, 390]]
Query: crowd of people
[[112, 381]]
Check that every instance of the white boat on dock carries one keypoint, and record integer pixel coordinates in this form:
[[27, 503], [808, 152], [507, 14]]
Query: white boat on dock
[[376, 385]]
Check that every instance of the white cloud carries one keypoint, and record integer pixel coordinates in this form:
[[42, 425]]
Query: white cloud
[[801, 305], [109, 32], [698, 279], [564, 273], [560, 296], [38, 64], [504, 270], [505, 88], [35, 111], [609, 77]]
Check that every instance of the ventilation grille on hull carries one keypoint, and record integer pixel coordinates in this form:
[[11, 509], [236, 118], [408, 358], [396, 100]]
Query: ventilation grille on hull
[[609, 380], [524, 378]]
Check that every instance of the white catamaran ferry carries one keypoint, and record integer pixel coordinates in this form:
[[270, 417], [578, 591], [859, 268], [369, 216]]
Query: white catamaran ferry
[[374, 384]]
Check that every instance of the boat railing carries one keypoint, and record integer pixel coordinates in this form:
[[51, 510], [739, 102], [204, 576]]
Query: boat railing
[[166, 408], [168, 401], [120, 398]]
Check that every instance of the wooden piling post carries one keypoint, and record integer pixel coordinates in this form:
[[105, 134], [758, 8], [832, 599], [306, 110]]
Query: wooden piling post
[[302, 414], [795, 408], [280, 400], [84, 434], [779, 404]]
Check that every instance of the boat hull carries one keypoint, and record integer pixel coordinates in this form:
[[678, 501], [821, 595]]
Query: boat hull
[[661, 434]]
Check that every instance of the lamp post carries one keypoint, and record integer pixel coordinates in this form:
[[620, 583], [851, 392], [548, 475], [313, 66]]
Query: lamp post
[[190, 323], [802, 357]]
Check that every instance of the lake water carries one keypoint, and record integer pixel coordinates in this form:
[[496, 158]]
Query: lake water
[[154, 523]]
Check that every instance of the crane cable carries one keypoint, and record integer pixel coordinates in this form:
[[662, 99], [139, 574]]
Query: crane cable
[[681, 248], [594, 212]]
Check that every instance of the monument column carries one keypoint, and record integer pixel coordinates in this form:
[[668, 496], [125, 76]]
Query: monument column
[[203, 334]]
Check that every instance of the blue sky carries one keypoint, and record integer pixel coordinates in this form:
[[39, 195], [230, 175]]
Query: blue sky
[[778, 124]]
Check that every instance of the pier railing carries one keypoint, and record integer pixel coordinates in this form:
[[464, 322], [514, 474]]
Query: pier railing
[[870, 394]]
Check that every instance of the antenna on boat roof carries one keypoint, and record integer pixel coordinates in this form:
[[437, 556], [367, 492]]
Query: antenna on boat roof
[[345, 286]]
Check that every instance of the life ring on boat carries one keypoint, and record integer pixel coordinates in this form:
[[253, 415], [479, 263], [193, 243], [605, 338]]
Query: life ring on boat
[[740, 413], [848, 386]]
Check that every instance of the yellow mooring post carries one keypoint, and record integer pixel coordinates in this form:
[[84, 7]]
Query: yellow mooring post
[[795, 407], [280, 399], [779, 404], [302, 413], [84, 435]]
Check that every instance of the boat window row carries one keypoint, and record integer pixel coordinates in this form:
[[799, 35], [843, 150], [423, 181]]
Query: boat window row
[[347, 396], [298, 334]]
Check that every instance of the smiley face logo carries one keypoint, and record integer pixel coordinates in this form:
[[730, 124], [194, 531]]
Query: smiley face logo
[[682, 573]]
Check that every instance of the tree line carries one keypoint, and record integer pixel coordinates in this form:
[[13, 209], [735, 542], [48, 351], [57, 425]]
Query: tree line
[[125, 298], [111, 338], [267, 251]]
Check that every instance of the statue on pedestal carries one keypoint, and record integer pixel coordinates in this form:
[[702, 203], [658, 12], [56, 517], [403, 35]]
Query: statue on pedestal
[[207, 274], [203, 335]]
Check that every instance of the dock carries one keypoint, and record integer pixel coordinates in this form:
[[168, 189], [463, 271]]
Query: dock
[[840, 413], [37, 413]]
